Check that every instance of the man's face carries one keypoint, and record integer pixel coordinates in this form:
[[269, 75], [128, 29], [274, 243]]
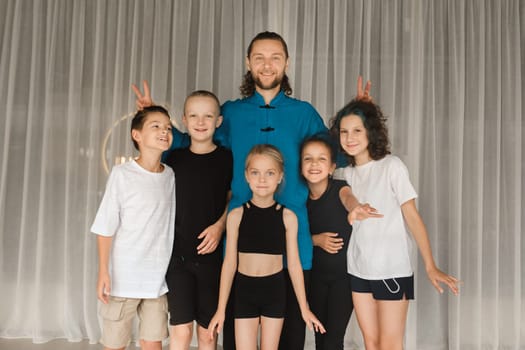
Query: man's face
[[267, 63]]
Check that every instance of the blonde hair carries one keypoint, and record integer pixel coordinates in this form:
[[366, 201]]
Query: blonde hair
[[266, 150]]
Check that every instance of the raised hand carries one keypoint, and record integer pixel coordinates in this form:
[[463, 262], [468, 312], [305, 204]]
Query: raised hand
[[143, 100], [363, 93], [362, 212]]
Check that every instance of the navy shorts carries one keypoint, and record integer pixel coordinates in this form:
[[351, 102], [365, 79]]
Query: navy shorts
[[398, 288], [193, 291], [260, 296]]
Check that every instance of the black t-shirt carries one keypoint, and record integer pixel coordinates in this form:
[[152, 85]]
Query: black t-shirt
[[327, 214], [202, 182]]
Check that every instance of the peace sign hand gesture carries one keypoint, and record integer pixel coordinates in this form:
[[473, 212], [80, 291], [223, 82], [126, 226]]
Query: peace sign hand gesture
[[363, 94], [143, 100]]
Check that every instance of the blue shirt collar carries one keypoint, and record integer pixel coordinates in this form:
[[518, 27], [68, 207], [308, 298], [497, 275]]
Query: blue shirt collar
[[257, 98]]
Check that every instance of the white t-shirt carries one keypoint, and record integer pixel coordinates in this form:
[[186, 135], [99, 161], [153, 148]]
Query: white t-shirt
[[380, 248], [138, 210]]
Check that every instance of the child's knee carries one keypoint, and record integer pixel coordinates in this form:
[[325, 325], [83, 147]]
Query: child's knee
[[204, 337], [182, 332], [150, 345]]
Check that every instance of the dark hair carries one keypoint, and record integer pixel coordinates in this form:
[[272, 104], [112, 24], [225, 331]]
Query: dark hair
[[248, 84], [325, 139], [202, 93], [374, 122], [140, 117]]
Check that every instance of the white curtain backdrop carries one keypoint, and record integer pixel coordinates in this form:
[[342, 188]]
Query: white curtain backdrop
[[448, 73]]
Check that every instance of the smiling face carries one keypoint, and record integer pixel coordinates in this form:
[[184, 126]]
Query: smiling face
[[267, 63], [201, 118], [354, 138], [263, 174], [316, 162], [155, 133]]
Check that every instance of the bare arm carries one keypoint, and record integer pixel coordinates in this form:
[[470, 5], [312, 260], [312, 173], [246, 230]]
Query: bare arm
[[104, 281], [296, 271], [229, 267], [213, 233], [419, 231]]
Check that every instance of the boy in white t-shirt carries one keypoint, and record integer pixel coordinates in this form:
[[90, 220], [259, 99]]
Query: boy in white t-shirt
[[378, 255], [134, 227]]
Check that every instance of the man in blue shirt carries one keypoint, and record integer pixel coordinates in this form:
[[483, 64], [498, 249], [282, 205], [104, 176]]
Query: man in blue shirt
[[267, 114]]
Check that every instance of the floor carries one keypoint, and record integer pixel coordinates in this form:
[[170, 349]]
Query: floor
[[27, 344]]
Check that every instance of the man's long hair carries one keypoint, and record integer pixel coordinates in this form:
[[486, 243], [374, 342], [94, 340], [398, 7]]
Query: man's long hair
[[248, 84]]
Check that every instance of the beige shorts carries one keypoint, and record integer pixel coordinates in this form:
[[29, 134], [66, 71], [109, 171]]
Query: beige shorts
[[118, 315]]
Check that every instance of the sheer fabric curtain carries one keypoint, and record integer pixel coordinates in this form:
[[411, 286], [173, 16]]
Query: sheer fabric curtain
[[448, 73]]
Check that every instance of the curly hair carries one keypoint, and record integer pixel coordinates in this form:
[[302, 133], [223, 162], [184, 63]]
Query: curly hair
[[247, 87], [374, 122]]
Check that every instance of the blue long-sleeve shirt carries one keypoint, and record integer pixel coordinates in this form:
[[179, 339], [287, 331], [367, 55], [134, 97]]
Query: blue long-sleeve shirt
[[285, 122]]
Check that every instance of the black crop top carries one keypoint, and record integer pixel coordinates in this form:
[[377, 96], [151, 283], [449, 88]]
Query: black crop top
[[262, 230]]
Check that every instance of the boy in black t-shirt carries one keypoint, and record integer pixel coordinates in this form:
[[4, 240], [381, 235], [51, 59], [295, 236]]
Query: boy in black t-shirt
[[203, 173]]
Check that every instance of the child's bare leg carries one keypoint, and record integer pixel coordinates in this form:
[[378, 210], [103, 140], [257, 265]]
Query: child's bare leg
[[246, 330], [180, 336], [392, 319], [270, 332], [150, 345], [205, 343], [366, 309]]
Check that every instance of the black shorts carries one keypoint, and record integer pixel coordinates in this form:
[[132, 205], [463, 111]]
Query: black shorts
[[260, 296], [398, 288], [193, 292]]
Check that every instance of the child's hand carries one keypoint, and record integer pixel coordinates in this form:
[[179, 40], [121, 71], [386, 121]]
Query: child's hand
[[103, 287], [212, 236], [142, 100], [312, 322], [328, 241], [216, 324], [362, 212], [436, 276], [363, 94]]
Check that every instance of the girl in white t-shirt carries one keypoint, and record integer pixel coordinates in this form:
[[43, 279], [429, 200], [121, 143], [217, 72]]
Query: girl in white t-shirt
[[378, 255]]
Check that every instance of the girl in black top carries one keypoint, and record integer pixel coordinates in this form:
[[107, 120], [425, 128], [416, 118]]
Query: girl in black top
[[254, 251], [330, 295]]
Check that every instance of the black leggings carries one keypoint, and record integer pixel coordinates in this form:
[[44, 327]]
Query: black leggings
[[330, 300]]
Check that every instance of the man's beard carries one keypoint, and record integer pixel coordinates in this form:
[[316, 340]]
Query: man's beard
[[272, 85]]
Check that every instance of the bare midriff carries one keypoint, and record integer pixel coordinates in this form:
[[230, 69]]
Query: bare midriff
[[259, 265]]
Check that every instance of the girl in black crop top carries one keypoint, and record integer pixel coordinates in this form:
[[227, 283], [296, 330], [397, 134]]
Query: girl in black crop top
[[269, 238], [258, 235]]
